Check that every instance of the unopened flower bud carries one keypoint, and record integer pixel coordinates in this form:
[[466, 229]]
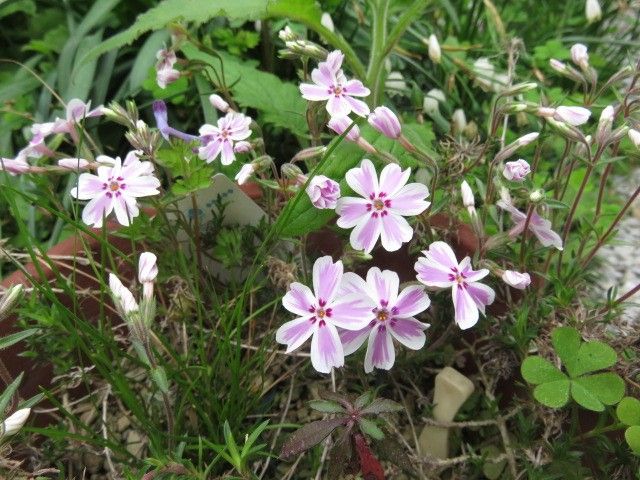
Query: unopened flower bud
[[519, 88], [311, 152], [218, 102], [536, 196], [386, 122], [341, 124], [580, 149], [572, 115], [516, 279], [122, 297], [566, 71], [14, 423], [580, 56], [516, 171], [147, 267], [242, 147], [323, 192], [73, 163], [458, 121], [634, 136], [593, 12], [327, 22], [618, 134], [510, 149], [566, 130], [514, 107], [467, 195], [291, 171], [605, 124], [245, 172], [435, 53], [287, 35]]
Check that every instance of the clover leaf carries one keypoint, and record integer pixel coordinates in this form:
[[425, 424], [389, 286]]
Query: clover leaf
[[580, 359], [628, 412]]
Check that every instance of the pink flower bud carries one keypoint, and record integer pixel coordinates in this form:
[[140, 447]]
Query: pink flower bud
[[516, 279], [634, 136], [323, 192], [580, 55], [516, 171], [242, 147], [73, 163], [572, 115], [557, 65], [340, 125], [218, 102], [147, 267], [527, 139], [166, 76], [122, 296], [385, 122], [467, 195], [14, 166]]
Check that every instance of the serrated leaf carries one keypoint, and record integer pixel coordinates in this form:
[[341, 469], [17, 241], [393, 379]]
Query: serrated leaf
[[628, 411], [370, 428], [632, 436], [553, 394], [382, 405], [566, 342], [585, 398], [607, 387], [537, 370], [14, 338], [309, 436], [167, 11], [326, 406], [593, 356]]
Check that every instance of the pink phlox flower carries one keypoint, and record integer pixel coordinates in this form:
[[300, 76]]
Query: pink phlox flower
[[320, 313], [15, 166], [115, 188], [331, 85], [439, 268], [386, 122], [323, 192], [516, 279], [220, 139], [392, 315], [76, 112], [540, 227], [165, 73], [380, 210]]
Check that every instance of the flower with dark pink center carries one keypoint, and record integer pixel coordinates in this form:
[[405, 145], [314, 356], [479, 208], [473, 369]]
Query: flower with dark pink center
[[220, 139], [391, 316], [380, 211], [320, 312], [439, 268]]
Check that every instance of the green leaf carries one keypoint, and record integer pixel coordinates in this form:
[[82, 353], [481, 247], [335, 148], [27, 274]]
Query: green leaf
[[308, 436], [585, 397], [632, 436], [14, 338], [628, 411], [492, 469], [282, 106], [5, 398], [553, 394], [369, 427], [593, 356], [382, 405], [607, 387], [363, 400], [326, 406], [566, 342], [537, 370], [197, 11]]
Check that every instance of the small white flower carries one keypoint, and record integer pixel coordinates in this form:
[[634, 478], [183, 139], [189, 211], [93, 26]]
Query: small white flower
[[435, 53]]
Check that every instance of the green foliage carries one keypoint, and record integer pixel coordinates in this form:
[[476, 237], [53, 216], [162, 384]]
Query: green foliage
[[628, 412], [592, 392]]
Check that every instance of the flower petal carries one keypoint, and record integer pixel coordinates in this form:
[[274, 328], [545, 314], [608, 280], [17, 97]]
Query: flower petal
[[97, 209], [353, 283], [383, 286], [294, 333], [411, 301], [409, 332], [363, 179], [126, 209], [210, 151], [351, 210], [299, 299], [89, 186], [380, 351], [410, 200], [227, 153], [143, 186], [356, 88], [314, 93], [326, 278], [466, 311], [351, 312], [352, 340], [395, 231], [392, 179], [326, 348], [433, 274], [546, 236], [365, 234], [481, 294], [357, 106], [338, 106], [441, 253]]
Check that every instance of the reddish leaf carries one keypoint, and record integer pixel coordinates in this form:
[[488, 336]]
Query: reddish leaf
[[309, 436], [369, 464]]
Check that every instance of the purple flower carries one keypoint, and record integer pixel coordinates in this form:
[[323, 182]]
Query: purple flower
[[380, 209], [516, 171], [115, 187], [220, 139], [323, 192], [516, 279], [161, 116], [539, 226], [391, 315], [331, 85], [385, 122], [320, 313], [439, 268]]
